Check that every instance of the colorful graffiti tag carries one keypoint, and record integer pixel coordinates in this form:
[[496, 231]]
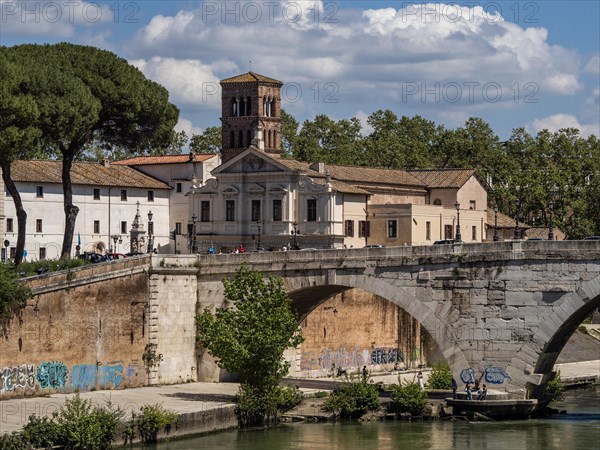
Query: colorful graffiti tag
[[22, 377], [496, 375], [347, 358], [83, 376], [467, 375], [52, 375]]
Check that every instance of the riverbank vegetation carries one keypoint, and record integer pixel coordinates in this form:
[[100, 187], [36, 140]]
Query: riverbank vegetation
[[248, 337], [440, 376], [78, 425]]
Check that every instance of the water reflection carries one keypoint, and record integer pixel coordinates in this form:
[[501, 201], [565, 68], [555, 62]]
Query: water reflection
[[580, 429]]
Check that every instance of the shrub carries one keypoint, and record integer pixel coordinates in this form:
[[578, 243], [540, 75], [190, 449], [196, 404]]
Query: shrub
[[556, 389], [257, 406], [41, 432], [353, 398], [152, 419], [13, 441], [440, 376], [82, 426], [289, 397], [408, 398]]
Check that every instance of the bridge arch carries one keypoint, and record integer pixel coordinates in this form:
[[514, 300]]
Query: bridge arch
[[307, 298]]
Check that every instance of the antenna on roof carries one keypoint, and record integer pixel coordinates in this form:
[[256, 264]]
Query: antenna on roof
[[250, 66]]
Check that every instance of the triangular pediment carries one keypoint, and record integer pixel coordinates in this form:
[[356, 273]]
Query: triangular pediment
[[255, 189], [251, 160]]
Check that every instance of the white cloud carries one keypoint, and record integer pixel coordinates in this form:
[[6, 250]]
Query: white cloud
[[557, 121], [189, 82], [365, 127], [593, 66], [187, 126]]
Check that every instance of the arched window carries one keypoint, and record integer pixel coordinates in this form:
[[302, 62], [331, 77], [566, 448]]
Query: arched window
[[269, 139], [265, 106], [241, 138], [233, 107], [437, 202], [272, 108], [275, 145], [231, 139], [249, 137], [249, 107]]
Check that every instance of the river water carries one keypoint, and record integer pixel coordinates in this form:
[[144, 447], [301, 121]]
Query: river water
[[579, 429]]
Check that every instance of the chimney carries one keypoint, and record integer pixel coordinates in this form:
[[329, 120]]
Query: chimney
[[192, 155], [318, 167], [105, 162]]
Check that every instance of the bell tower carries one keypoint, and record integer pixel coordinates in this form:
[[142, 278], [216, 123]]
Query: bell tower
[[250, 114]]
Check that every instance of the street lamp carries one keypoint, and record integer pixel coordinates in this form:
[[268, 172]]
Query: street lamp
[[517, 229], [192, 234], [458, 236], [295, 233], [496, 237], [116, 238], [150, 231], [551, 225]]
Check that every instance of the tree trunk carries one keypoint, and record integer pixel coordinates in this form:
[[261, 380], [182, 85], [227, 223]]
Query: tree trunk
[[71, 210], [21, 214]]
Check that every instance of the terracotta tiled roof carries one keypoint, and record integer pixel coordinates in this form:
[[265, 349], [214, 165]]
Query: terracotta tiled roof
[[503, 221], [250, 77], [444, 178], [542, 232], [85, 173], [166, 159], [356, 174]]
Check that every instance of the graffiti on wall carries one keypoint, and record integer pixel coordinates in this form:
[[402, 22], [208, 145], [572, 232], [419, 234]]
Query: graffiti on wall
[[496, 375], [52, 375], [346, 358], [491, 374], [22, 377], [83, 376], [111, 376]]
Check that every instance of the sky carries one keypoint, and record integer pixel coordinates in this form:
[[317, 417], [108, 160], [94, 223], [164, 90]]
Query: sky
[[514, 64]]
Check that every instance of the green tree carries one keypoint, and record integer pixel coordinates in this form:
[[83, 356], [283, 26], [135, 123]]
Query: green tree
[[353, 398], [440, 376], [289, 133], [19, 137], [86, 95], [209, 141], [249, 339], [13, 294], [409, 398]]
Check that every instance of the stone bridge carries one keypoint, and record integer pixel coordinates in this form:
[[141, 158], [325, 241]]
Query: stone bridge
[[502, 310]]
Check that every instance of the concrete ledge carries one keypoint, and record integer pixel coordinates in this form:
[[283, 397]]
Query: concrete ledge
[[495, 409]]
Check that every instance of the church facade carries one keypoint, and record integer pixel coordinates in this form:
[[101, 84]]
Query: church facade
[[258, 199]]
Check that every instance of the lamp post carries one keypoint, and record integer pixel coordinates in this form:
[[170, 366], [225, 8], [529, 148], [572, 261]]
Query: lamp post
[[551, 225], [116, 238], [150, 231], [193, 233], [295, 233], [458, 237], [517, 229], [496, 237]]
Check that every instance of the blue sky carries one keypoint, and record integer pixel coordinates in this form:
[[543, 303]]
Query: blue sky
[[533, 64]]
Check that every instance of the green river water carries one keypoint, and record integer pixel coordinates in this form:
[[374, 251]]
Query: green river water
[[579, 429]]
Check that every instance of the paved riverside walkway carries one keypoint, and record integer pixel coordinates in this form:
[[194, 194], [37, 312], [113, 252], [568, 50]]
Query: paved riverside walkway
[[189, 398]]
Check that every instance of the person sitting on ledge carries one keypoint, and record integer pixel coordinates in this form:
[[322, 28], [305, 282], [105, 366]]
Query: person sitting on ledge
[[468, 391], [482, 392]]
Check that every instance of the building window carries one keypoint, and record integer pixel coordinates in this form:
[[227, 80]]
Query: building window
[[150, 196], [96, 227], [123, 227], [437, 202], [178, 227], [96, 193], [392, 229], [447, 231], [277, 210], [123, 195], [427, 231], [9, 225], [38, 226], [472, 204], [230, 210], [311, 210], [349, 228], [39, 191], [205, 211], [474, 233], [178, 187], [42, 253], [255, 210], [364, 228]]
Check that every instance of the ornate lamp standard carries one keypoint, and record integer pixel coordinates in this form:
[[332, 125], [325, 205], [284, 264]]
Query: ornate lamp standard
[[258, 242], [551, 225], [192, 234], [517, 229], [496, 237], [116, 238], [295, 233], [150, 231], [458, 237]]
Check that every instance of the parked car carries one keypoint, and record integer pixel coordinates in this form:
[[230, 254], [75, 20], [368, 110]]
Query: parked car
[[93, 257], [374, 246], [444, 241], [113, 256], [592, 238]]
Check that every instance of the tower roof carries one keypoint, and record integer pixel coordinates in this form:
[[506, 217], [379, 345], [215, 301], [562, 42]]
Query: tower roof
[[250, 77]]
